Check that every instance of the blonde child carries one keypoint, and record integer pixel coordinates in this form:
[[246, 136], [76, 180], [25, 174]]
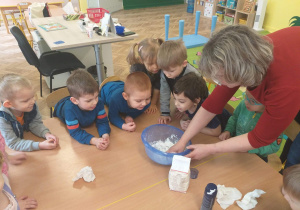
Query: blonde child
[[291, 186], [8, 200], [82, 108], [19, 113], [143, 57], [172, 59], [243, 120], [130, 98], [190, 91]]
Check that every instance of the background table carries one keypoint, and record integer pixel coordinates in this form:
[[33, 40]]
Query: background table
[[74, 38], [127, 179], [12, 5]]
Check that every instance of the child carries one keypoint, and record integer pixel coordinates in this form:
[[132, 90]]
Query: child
[[190, 91], [82, 108], [172, 59], [291, 186], [7, 199], [131, 98], [145, 62], [244, 119], [19, 113]]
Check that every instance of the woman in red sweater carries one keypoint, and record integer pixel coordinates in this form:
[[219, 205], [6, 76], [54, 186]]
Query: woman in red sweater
[[270, 69]]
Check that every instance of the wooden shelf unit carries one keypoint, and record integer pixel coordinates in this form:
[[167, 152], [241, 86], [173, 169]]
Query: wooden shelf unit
[[238, 12]]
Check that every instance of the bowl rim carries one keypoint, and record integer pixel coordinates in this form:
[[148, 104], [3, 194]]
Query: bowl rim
[[185, 152]]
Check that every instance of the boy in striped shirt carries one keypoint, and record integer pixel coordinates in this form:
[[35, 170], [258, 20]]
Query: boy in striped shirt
[[82, 108]]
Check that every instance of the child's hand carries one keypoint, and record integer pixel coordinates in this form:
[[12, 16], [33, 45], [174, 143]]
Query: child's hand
[[178, 114], [51, 136], [184, 124], [48, 144], [177, 148], [152, 109], [27, 203], [129, 126], [225, 135], [16, 158], [128, 119], [164, 119]]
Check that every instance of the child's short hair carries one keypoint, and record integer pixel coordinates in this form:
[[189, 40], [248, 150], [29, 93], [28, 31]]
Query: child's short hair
[[242, 53], [147, 50], [10, 84], [291, 183], [137, 81], [171, 53], [81, 83], [192, 86]]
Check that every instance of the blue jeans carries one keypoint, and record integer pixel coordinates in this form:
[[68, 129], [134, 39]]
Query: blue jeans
[[293, 157]]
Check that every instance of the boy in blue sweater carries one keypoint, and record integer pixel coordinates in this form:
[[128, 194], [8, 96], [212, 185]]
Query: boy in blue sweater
[[82, 108], [130, 98]]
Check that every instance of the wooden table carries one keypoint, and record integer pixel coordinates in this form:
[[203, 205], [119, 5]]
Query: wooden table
[[74, 38], [127, 179], [12, 5]]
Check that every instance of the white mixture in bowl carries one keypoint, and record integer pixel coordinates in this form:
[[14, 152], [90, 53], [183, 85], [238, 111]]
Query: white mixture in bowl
[[164, 145]]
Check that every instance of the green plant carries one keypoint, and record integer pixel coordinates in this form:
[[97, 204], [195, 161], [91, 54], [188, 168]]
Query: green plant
[[295, 22]]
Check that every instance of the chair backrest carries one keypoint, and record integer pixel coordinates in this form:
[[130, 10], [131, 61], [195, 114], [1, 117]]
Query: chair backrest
[[292, 130], [229, 108], [23, 6], [25, 47], [55, 96]]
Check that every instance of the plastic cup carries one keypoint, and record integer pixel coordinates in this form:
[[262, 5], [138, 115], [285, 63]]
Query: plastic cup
[[120, 30]]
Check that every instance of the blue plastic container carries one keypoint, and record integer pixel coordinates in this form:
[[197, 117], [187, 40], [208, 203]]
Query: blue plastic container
[[161, 132], [190, 6], [120, 30]]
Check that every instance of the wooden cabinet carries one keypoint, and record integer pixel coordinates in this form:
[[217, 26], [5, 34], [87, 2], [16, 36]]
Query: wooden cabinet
[[238, 12]]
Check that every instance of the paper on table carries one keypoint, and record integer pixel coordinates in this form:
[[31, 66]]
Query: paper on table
[[249, 201], [86, 173], [227, 195], [69, 9]]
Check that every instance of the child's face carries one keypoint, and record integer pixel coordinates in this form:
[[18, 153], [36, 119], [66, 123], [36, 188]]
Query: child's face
[[294, 203], [174, 71], [151, 66], [138, 99], [23, 100], [252, 104], [183, 103], [86, 102]]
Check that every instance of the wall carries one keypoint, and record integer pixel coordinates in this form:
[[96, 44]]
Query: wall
[[279, 13]]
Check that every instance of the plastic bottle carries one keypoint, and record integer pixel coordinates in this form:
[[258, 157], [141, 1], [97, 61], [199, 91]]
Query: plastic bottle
[[209, 196], [190, 6]]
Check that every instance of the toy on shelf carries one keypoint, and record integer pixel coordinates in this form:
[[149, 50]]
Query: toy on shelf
[[220, 15], [242, 21], [222, 3], [229, 18], [231, 4], [248, 6], [192, 40]]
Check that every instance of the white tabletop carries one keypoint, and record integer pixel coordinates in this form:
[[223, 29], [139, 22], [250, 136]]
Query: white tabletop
[[72, 36]]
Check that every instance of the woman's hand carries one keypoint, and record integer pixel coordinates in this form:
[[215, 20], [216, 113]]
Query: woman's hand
[[200, 151]]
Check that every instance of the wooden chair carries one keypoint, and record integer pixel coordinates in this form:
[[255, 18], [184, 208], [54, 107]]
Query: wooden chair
[[291, 132], [55, 96], [23, 6]]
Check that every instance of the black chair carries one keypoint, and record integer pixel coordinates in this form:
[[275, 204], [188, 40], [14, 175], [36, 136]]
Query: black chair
[[50, 63]]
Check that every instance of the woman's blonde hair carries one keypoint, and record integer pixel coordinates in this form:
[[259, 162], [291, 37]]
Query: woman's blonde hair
[[240, 52], [146, 50], [171, 53], [10, 84], [291, 183]]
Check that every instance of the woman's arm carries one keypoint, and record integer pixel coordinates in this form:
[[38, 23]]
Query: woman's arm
[[235, 144]]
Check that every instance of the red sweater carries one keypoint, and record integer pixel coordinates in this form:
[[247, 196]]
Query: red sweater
[[279, 90]]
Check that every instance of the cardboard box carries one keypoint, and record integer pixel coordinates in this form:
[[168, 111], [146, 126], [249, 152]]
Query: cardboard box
[[220, 15], [229, 19]]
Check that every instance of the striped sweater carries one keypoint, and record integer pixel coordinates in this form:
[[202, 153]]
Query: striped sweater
[[75, 118]]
